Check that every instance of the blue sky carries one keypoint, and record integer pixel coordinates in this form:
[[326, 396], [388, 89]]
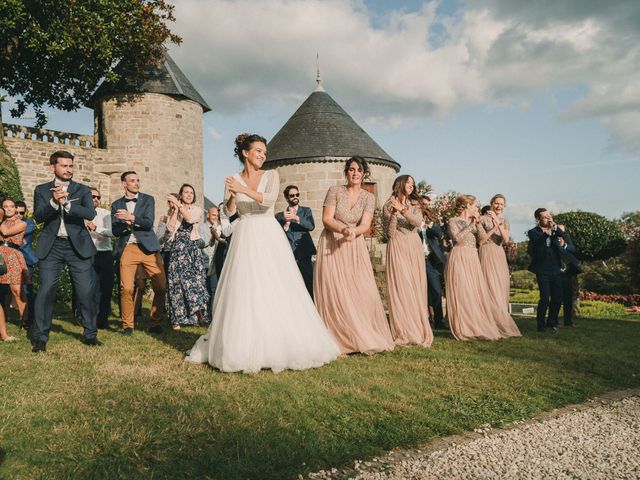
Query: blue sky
[[539, 101]]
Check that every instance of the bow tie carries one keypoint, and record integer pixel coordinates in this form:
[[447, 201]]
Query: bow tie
[[134, 200]]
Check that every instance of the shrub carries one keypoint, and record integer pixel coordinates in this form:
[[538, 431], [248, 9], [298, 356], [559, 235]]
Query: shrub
[[595, 309], [611, 277], [9, 175], [523, 279], [595, 237], [626, 300]]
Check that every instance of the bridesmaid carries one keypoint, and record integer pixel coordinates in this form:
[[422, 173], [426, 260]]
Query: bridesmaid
[[344, 288], [493, 260], [406, 270], [469, 311]]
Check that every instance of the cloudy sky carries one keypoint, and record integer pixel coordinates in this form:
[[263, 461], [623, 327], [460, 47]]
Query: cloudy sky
[[539, 100]]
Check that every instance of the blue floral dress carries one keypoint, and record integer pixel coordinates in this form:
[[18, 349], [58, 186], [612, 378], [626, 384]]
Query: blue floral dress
[[188, 297]]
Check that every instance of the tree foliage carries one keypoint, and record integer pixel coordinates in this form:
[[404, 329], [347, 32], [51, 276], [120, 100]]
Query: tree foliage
[[56, 52], [9, 176], [596, 237], [630, 224]]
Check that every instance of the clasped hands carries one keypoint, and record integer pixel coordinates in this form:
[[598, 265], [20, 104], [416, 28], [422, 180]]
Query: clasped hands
[[59, 195], [124, 215], [349, 233], [233, 185], [291, 216]]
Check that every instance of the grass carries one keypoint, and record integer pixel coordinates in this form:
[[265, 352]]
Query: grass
[[133, 409]]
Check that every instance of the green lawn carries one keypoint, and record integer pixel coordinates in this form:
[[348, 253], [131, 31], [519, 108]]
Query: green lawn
[[133, 409]]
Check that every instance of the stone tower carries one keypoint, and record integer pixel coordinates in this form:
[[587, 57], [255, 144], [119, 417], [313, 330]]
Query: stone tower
[[310, 150], [153, 124]]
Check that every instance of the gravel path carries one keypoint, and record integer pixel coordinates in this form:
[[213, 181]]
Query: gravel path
[[596, 440]]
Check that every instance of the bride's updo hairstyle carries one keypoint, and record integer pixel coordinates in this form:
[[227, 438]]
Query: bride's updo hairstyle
[[462, 202], [244, 141], [362, 163]]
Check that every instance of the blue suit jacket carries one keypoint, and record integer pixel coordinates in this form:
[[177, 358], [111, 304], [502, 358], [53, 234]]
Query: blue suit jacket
[[434, 234], [80, 209], [298, 233], [27, 246], [543, 254], [144, 213]]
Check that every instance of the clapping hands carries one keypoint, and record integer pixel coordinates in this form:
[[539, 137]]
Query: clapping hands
[[233, 185]]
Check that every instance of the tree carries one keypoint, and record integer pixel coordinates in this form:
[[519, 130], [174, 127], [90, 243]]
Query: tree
[[596, 237], [9, 176], [630, 224], [54, 53]]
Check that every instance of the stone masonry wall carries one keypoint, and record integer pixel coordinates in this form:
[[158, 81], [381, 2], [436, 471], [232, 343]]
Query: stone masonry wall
[[158, 136], [92, 166], [314, 179]]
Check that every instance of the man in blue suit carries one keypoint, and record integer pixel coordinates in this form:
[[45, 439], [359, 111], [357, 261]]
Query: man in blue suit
[[63, 205], [132, 218], [297, 222], [546, 245], [30, 257], [430, 234], [569, 273]]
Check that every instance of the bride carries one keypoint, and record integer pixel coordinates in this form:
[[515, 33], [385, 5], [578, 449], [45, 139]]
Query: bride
[[263, 316]]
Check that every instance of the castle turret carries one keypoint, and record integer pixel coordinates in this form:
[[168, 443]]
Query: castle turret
[[310, 150], [153, 122]]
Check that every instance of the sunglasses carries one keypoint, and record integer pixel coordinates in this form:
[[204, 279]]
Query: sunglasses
[[96, 196], [20, 212], [293, 195]]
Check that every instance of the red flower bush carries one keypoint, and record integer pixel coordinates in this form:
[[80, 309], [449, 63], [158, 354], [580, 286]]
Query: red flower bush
[[631, 301]]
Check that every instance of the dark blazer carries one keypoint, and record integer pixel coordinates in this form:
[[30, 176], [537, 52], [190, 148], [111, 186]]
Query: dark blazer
[[544, 258], [144, 213], [80, 209], [298, 233], [27, 246], [434, 234], [567, 253]]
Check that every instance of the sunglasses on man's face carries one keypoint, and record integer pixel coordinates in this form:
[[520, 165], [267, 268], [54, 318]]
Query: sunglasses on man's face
[[96, 196], [20, 212], [294, 195]]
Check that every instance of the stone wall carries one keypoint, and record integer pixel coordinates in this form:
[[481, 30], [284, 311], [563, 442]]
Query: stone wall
[[158, 136], [314, 179], [92, 166]]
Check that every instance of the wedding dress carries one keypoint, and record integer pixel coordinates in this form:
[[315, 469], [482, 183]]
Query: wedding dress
[[263, 316]]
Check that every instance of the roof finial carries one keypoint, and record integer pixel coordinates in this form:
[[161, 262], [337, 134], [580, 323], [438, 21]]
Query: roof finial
[[318, 79]]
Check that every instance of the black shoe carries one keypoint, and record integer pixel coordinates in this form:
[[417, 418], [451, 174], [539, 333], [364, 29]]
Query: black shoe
[[541, 329], [92, 342], [155, 329], [127, 332], [39, 346], [553, 329]]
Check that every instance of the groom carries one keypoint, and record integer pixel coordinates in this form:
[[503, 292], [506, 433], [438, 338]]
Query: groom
[[297, 222], [63, 206]]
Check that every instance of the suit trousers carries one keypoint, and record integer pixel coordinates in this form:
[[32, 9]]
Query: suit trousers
[[434, 292], [550, 286], [131, 257], [305, 265], [569, 283], [103, 266], [82, 277]]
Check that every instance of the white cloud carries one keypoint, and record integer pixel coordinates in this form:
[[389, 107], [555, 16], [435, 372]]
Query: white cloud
[[215, 134], [244, 54]]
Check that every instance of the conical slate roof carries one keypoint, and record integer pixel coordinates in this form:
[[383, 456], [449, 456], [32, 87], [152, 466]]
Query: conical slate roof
[[165, 78], [320, 131]]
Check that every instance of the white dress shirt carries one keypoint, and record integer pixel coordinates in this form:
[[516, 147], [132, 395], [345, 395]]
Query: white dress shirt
[[66, 205], [101, 236], [130, 208]]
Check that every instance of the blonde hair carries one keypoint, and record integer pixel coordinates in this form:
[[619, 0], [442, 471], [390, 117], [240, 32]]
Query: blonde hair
[[497, 196], [463, 201]]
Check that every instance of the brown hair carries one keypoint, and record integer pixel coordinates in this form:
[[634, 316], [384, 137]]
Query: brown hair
[[399, 185], [538, 212], [186, 185], [463, 201], [362, 163], [244, 141], [53, 159]]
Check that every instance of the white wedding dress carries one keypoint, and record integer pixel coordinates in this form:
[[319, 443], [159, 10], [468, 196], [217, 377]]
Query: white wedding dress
[[263, 316]]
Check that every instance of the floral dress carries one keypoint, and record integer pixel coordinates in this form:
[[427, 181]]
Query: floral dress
[[188, 296], [17, 272]]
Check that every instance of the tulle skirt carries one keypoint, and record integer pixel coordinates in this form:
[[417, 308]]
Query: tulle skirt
[[263, 316]]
